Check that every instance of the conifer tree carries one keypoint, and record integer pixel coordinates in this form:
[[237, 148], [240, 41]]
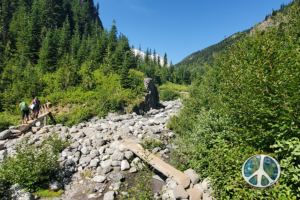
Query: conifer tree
[[65, 38], [47, 59], [125, 79], [112, 37], [165, 60]]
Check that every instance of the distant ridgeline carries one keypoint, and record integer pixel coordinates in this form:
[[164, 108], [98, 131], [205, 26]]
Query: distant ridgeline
[[196, 60]]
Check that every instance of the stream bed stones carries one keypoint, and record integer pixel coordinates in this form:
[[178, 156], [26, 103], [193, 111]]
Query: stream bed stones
[[93, 166]]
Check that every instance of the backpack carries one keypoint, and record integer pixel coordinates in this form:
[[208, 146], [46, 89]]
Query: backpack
[[36, 103]]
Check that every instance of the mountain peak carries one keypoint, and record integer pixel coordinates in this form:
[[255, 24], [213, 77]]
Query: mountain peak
[[142, 54]]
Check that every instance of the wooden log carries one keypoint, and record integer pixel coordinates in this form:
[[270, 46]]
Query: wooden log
[[166, 169]]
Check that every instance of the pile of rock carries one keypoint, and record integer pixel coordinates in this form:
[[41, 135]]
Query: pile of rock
[[195, 190], [98, 146]]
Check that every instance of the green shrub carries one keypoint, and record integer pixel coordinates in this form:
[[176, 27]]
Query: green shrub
[[151, 143], [4, 186], [169, 95], [173, 86], [49, 193], [32, 166], [213, 150], [143, 188]]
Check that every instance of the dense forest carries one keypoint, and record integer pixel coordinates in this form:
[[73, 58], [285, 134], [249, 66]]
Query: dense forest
[[246, 103], [59, 51]]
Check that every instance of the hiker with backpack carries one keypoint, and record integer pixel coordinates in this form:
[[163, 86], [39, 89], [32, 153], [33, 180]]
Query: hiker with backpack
[[36, 107], [25, 111]]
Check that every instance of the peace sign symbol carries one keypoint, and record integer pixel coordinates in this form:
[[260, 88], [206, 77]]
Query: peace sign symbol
[[261, 170]]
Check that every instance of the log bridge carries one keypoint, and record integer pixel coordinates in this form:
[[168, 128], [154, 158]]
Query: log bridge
[[44, 112]]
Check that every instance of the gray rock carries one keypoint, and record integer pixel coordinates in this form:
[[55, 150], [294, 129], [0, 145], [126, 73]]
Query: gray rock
[[115, 145], [117, 186], [109, 195], [102, 150], [117, 155], [124, 165], [128, 155], [86, 142], [117, 137], [61, 159], [75, 159], [55, 185], [70, 165], [64, 130], [85, 150], [179, 192], [2, 144], [95, 152], [133, 170], [151, 97], [94, 163], [99, 142], [106, 163], [99, 179], [135, 162], [155, 150], [18, 193], [77, 154], [119, 177], [73, 130], [85, 160], [117, 169], [56, 198], [3, 152], [193, 175], [109, 151], [80, 134], [116, 163], [99, 169], [105, 170], [99, 136]]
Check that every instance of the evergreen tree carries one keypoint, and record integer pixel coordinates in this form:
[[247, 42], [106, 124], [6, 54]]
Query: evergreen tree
[[125, 79], [65, 38], [112, 37], [165, 60], [47, 59]]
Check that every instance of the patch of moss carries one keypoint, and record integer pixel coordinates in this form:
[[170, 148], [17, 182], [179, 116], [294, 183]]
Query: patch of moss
[[49, 193]]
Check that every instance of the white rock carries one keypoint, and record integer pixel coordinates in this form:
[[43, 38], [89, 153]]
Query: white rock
[[124, 165], [99, 179]]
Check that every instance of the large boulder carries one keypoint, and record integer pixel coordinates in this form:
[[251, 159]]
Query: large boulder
[[5, 134], [151, 98]]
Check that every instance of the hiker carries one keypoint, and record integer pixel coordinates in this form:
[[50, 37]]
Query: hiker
[[37, 104], [25, 111], [31, 107], [48, 104]]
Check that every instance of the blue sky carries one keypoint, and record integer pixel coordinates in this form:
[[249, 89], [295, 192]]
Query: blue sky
[[180, 28]]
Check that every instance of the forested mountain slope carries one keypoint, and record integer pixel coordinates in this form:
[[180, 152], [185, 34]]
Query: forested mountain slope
[[59, 51], [196, 60], [246, 104]]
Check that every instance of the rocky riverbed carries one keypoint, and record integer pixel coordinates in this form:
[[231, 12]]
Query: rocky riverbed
[[97, 151]]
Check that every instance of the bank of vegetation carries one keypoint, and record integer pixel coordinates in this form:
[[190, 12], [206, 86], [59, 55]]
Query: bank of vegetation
[[59, 51], [246, 103]]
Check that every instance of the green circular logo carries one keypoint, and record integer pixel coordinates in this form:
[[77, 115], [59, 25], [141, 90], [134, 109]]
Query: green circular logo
[[261, 170]]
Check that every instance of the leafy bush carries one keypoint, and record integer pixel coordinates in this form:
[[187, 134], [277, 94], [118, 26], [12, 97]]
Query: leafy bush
[[247, 103], [32, 166], [169, 95], [151, 143], [214, 151], [4, 186], [173, 86]]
